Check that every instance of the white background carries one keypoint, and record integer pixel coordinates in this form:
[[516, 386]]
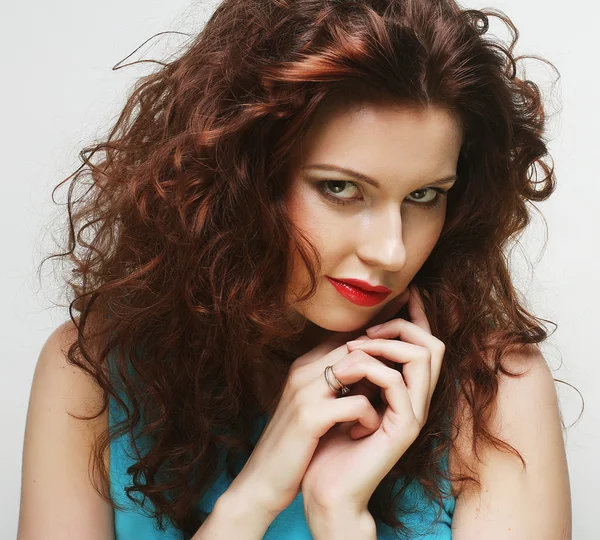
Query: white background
[[59, 92]]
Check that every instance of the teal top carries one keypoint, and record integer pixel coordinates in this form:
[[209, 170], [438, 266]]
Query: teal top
[[133, 523]]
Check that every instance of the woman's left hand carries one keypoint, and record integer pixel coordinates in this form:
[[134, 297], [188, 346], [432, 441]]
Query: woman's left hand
[[350, 462]]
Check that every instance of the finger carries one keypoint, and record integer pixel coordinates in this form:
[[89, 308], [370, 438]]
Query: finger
[[416, 369], [334, 347], [352, 409], [417, 330], [405, 330], [385, 314], [337, 340], [403, 351], [357, 431], [314, 363], [390, 380], [416, 309]]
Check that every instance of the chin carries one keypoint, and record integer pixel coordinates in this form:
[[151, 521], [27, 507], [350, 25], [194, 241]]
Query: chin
[[336, 323]]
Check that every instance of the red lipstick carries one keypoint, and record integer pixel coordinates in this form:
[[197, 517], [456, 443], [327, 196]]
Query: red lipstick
[[360, 292]]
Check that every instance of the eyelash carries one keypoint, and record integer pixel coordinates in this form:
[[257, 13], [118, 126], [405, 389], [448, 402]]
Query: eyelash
[[337, 200]]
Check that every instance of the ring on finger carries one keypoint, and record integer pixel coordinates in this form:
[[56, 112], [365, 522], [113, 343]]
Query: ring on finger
[[342, 390]]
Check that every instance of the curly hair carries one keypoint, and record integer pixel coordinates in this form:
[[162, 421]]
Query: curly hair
[[180, 244]]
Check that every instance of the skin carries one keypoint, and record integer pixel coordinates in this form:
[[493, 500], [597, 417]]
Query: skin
[[385, 234]]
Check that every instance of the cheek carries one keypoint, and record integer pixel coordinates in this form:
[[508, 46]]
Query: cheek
[[321, 226], [420, 237], [304, 217], [296, 279]]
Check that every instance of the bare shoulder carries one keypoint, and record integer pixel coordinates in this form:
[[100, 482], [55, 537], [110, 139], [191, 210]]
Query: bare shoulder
[[535, 376], [58, 499], [527, 502]]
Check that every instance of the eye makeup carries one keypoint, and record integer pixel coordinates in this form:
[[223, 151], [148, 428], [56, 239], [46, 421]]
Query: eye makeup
[[324, 190]]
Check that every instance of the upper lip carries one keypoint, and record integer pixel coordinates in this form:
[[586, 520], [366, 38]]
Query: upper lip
[[363, 285]]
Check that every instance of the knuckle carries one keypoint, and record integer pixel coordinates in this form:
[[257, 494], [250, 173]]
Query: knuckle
[[408, 425], [305, 418], [354, 357], [414, 427], [396, 376], [297, 377], [362, 402], [426, 355], [294, 367], [353, 354], [303, 414], [292, 383], [360, 356]]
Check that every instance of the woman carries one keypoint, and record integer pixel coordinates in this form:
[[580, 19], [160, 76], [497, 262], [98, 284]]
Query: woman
[[304, 171]]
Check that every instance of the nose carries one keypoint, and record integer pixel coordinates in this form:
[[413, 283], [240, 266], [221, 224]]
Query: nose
[[380, 241]]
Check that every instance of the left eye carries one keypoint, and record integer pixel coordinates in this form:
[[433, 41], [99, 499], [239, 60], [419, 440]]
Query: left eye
[[424, 199]]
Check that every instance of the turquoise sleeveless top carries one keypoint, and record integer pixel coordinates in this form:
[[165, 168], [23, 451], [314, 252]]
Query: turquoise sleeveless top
[[134, 523]]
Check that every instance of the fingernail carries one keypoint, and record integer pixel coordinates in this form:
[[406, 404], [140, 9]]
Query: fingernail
[[374, 328], [354, 342]]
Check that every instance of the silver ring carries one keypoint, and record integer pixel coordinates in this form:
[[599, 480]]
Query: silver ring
[[342, 390]]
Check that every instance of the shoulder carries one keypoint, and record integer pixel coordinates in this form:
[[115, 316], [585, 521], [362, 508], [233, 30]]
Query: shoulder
[[531, 391], [526, 415], [56, 494], [56, 374], [73, 390], [54, 371]]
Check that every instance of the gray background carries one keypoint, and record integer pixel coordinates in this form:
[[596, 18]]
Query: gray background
[[59, 91]]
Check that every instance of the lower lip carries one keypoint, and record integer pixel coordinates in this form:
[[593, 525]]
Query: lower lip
[[358, 296]]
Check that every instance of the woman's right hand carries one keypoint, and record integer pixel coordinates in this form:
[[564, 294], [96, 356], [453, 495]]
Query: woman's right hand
[[307, 409]]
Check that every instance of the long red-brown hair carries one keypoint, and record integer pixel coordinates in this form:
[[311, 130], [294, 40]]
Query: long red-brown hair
[[180, 243]]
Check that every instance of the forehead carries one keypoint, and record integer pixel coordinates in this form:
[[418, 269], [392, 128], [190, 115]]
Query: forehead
[[387, 142]]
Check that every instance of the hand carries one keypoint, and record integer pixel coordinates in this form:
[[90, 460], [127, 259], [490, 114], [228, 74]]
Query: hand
[[307, 409], [365, 387], [349, 463]]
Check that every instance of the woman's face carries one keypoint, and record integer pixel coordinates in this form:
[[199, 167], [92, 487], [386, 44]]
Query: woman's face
[[388, 227]]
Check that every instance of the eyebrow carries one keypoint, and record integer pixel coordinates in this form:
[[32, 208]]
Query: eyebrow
[[370, 180]]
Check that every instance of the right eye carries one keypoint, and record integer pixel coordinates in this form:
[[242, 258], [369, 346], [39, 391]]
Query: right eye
[[331, 194]]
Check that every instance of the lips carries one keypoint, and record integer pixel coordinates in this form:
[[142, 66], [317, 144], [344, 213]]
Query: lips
[[364, 285], [357, 295]]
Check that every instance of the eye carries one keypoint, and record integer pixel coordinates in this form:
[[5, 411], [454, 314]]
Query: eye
[[338, 186], [428, 197], [424, 198]]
